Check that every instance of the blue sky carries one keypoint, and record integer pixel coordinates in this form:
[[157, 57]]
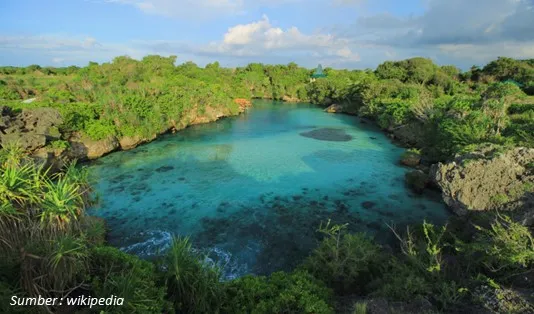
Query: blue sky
[[337, 33]]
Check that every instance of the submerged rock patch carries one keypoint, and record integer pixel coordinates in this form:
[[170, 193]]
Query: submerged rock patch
[[165, 169], [328, 134]]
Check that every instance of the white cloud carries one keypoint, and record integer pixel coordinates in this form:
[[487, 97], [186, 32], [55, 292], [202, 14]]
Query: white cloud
[[261, 38], [242, 34]]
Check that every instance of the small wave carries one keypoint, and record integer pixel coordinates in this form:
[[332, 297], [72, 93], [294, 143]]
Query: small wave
[[225, 261], [153, 243]]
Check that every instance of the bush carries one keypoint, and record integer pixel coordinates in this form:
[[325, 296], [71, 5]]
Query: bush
[[99, 129], [296, 292], [505, 247], [401, 281], [114, 272], [345, 262], [193, 286]]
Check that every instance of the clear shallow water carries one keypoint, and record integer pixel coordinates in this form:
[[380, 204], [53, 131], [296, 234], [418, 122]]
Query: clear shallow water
[[252, 190]]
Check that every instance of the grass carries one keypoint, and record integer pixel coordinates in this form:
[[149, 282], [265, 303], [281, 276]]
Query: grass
[[360, 308]]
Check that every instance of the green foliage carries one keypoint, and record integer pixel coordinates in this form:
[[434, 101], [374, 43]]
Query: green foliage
[[116, 273], [297, 292], [360, 308], [449, 294], [100, 129], [345, 262], [505, 246], [59, 145], [401, 281], [193, 286]]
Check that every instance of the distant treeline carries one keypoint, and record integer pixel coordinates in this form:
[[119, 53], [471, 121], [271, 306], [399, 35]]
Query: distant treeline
[[445, 110]]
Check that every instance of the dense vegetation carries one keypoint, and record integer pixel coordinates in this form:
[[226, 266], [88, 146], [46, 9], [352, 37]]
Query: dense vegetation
[[50, 247], [144, 98]]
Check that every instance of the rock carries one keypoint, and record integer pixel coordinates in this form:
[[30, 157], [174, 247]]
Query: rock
[[41, 120], [503, 300], [336, 108], [54, 161], [411, 134], [417, 180], [129, 142], [410, 159], [290, 99], [486, 180], [368, 204], [243, 103], [27, 141], [31, 129], [29, 100], [82, 147]]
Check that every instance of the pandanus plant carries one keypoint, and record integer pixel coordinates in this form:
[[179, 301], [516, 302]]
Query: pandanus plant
[[16, 184], [62, 202]]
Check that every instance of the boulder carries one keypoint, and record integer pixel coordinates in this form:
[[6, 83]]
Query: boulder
[[52, 160], [290, 99], [410, 134], [411, 159], [31, 129], [334, 108], [337, 108], [27, 141], [129, 142], [417, 180], [82, 147], [486, 180], [41, 120]]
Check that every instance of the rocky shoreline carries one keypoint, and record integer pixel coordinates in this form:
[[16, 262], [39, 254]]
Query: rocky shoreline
[[33, 129], [484, 180]]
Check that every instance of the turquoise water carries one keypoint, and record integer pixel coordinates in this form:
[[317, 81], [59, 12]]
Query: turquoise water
[[252, 190]]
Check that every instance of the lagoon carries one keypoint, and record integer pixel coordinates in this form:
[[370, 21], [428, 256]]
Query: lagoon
[[252, 190]]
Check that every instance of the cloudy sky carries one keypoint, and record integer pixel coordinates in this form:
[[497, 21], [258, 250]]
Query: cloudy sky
[[336, 33]]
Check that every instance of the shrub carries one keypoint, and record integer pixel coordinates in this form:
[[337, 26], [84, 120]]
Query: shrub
[[345, 262], [99, 129], [403, 282], [114, 272], [360, 308], [193, 286], [505, 247], [59, 145], [296, 292]]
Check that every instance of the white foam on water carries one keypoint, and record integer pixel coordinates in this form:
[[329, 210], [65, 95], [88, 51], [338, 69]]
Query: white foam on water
[[157, 242], [229, 266]]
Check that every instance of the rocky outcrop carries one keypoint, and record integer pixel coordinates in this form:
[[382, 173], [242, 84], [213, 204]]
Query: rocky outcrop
[[343, 108], [487, 180], [290, 99], [34, 128], [411, 134], [52, 159], [130, 142], [243, 103], [410, 159], [82, 147], [31, 129], [417, 180]]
